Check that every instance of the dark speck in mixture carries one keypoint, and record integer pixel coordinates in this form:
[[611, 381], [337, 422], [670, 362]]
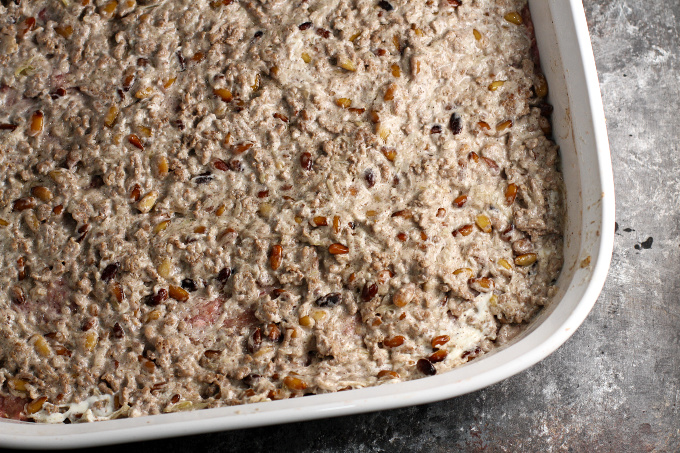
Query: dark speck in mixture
[[203, 178], [456, 124], [385, 5]]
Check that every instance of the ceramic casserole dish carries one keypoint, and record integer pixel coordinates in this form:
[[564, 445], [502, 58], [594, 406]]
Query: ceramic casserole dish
[[580, 131]]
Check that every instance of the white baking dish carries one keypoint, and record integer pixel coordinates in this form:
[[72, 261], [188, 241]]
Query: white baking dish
[[579, 127]]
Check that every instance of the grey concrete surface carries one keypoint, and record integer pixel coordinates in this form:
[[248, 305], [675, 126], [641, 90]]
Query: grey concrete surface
[[615, 385]]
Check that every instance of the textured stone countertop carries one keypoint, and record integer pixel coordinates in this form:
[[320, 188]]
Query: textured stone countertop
[[615, 385]]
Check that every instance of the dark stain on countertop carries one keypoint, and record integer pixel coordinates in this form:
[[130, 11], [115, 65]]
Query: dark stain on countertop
[[645, 245]]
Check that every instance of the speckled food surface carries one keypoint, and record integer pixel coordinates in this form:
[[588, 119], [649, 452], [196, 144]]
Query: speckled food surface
[[279, 199], [615, 385]]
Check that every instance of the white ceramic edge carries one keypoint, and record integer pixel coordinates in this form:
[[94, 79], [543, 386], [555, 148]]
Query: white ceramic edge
[[477, 375]]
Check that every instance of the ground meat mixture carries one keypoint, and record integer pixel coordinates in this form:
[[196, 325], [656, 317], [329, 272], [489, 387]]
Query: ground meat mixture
[[208, 203]]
